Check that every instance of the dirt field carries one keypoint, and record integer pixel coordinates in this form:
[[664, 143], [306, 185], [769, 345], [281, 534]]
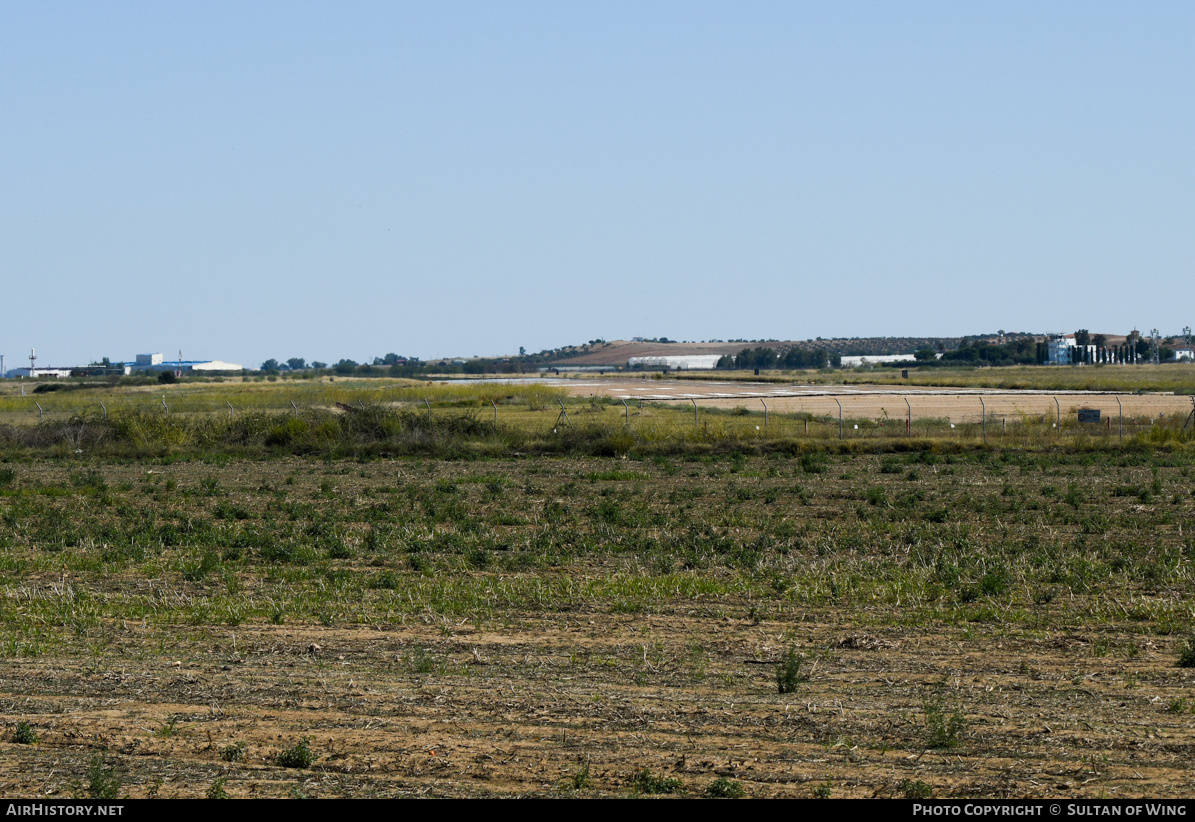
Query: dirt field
[[873, 402], [963, 627]]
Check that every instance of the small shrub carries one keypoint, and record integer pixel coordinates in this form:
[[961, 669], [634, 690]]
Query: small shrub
[[387, 580], [581, 780], [101, 782], [943, 730], [723, 788], [422, 662], [1176, 706], [197, 571], [24, 734], [788, 672], [167, 729], [1186, 657], [646, 782], [811, 464], [994, 583], [216, 791], [298, 755], [916, 789], [823, 790], [234, 752]]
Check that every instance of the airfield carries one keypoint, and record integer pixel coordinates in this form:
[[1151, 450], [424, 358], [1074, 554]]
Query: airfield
[[961, 405], [372, 589]]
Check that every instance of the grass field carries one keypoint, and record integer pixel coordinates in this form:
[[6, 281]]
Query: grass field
[[446, 609]]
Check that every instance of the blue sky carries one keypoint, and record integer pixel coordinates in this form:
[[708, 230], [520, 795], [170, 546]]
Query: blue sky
[[246, 181]]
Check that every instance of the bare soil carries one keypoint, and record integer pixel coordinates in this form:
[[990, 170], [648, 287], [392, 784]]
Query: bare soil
[[578, 699]]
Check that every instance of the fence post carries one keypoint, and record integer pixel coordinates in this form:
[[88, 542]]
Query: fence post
[[985, 420], [429, 411], [165, 406], [105, 410], [495, 415], [1120, 424], [839, 416], [1058, 418], [908, 419], [41, 414], [295, 407], [231, 411], [765, 415], [694, 411], [626, 413]]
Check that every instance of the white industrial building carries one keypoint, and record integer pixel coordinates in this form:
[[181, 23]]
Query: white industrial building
[[155, 363], [691, 362], [35, 373], [875, 359]]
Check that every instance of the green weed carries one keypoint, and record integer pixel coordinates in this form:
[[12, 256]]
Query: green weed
[[788, 672], [1186, 657], [234, 752], [298, 755], [645, 782], [723, 788], [944, 726], [102, 783], [916, 789], [24, 734]]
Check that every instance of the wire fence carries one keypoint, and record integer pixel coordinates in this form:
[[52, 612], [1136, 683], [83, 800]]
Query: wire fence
[[996, 419]]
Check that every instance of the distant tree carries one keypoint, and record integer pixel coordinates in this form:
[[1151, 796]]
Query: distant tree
[[297, 363], [1100, 340], [1082, 337], [318, 364], [760, 357], [345, 367], [924, 354], [799, 358], [522, 351], [167, 377], [270, 365]]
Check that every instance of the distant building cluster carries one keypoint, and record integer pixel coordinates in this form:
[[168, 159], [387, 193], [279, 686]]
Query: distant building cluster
[[144, 363]]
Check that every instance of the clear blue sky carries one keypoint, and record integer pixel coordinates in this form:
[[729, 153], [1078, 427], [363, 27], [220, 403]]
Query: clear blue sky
[[326, 180]]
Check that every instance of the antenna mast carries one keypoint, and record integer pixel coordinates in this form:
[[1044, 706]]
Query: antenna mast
[[32, 362]]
